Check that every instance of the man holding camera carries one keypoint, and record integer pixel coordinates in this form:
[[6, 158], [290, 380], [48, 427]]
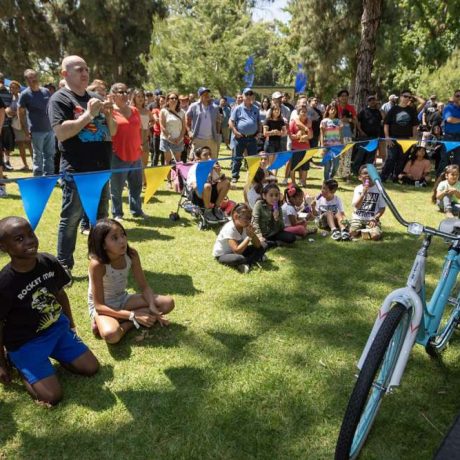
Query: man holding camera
[[84, 126]]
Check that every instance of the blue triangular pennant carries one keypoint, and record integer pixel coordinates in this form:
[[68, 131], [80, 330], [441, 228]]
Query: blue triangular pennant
[[280, 160], [89, 188], [202, 172], [371, 145], [301, 80], [451, 145], [35, 193]]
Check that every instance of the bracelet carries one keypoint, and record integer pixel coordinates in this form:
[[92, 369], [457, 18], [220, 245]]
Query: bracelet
[[132, 317]]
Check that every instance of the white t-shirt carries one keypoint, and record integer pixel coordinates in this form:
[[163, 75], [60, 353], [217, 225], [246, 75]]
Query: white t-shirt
[[335, 205], [173, 122], [288, 210], [372, 203], [228, 232], [252, 197]]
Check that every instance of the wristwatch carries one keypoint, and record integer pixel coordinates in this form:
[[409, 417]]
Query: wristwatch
[[132, 317]]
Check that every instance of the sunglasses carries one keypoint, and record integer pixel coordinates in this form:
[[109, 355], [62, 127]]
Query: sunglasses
[[249, 94], [172, 98], [406, 95], [457, 95]]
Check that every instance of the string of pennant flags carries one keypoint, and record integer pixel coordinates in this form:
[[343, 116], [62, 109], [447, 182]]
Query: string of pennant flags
[[36, 191]]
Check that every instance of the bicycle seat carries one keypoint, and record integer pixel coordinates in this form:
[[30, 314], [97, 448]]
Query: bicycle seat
[[450, 225]]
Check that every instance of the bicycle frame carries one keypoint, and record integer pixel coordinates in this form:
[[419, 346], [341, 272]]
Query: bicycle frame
[[425, 317]]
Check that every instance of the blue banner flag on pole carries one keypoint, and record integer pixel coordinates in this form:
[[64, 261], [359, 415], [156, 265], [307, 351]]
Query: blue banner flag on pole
[[371, 145], [35, 193], [249, 71], [89, 188], [280, 160], [301, 80], [202, 172]]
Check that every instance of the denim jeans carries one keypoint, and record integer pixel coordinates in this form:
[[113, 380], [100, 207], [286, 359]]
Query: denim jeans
[[242, 144], [71, 213], [44, 148], [117, 183], [330, 168]]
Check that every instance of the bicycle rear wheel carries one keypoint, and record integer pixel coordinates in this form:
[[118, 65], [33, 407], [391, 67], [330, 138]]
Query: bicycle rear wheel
[[372, 383]]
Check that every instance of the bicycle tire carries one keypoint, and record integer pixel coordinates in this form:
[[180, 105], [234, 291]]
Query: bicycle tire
[[368, 392]]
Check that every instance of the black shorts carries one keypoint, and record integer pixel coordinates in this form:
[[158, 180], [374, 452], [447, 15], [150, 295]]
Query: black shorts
[[199, 201], [7, 139], [297, 158]]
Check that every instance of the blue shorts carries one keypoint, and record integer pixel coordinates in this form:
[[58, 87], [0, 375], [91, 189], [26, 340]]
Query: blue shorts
[[57, 342]]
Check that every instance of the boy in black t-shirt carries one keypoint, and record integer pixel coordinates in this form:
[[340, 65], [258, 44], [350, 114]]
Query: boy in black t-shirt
[[35, 317]]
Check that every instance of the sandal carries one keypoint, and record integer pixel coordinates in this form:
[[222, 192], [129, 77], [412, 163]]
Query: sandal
[[336, 236]]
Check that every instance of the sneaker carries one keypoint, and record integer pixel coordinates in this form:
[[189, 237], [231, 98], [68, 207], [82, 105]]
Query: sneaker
[[243, 268], [234, 180], [141, 215], [69, 274], [284, 181], [84, 231], [25, 169], [8, 166], [345, 235], [336, 236], [264, 258], [3, 192], [303, 183], [220, 215], [209, 216], [118, 218]]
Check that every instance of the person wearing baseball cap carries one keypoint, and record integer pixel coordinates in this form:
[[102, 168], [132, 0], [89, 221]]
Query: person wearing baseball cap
[[245, 124], [392, 101], [202, 120]]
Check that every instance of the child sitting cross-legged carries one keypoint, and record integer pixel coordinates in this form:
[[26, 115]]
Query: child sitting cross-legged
[[36, 321], [112, 309], [267, 219], [214, 191], [368, 208], [293, 200], [329, 210], [237, 244]]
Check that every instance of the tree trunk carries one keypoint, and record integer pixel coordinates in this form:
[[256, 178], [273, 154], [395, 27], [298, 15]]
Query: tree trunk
[[370, 22]]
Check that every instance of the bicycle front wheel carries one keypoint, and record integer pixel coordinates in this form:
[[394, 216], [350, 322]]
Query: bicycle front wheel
[[372, 382]]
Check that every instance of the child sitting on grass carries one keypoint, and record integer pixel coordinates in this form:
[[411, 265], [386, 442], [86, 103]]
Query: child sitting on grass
[[237, 244], [329, 210], [215, 189], [267, 219], [368, 208], [293, 200], [446, 191], [112, 309], [36, 321], [417, 169]]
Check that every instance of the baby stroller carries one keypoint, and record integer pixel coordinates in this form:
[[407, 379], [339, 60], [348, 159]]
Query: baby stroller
[[187, 199]]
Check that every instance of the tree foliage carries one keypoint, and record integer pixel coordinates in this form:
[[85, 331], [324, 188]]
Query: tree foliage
[[207, 42], [110, 34]]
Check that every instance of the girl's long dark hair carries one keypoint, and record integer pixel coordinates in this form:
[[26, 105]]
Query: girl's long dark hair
[[448, 169], [97, 236], [413, 154]]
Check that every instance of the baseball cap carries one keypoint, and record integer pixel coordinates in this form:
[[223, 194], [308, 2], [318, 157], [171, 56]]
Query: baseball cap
[[277, 95], [158, 92], [393, 96], [202, 90], [247, 90]]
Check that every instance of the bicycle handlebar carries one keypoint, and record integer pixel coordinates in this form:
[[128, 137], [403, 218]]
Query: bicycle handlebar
[[374, 176]]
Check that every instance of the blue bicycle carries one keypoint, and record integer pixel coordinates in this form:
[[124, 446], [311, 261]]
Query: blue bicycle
[[404, 318]]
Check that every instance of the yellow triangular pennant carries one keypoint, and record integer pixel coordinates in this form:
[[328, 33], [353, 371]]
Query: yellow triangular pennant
[[253, 165], [309, 154], [406, 145], [154, 177], [346, 148]]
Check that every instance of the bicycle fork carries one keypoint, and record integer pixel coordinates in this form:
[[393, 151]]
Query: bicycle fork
[[411, 297]]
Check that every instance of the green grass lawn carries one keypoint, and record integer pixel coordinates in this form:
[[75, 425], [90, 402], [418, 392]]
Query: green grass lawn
[[252, 366]]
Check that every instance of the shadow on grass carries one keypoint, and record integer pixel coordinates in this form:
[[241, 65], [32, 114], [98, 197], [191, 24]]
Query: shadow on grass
[[169, 283], [147, 233]]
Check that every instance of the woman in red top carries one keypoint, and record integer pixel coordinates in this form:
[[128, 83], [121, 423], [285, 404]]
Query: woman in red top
[[300, 132], [127, 153]]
